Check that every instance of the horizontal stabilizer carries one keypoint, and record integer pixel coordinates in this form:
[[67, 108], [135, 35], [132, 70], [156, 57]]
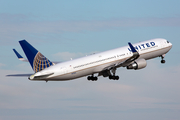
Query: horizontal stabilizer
[[19, 75], [19, 56]]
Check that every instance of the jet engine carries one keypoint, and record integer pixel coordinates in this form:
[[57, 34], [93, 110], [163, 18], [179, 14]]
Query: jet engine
[[138, 64]]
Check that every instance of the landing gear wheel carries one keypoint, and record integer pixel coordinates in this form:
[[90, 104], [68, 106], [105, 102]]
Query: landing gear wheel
[[110, 77], [114, 77], [92, 78], [89, 77], [117, 77], [162, 57], [163, 61]]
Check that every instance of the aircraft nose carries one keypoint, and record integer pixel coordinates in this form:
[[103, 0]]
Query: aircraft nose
[[170, 44]]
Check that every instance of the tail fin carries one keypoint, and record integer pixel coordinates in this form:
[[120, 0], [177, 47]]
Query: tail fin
[[36, 59]]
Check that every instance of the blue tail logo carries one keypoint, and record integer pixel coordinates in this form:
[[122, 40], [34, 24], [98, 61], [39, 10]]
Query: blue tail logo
[[41, 62], [36, 59]]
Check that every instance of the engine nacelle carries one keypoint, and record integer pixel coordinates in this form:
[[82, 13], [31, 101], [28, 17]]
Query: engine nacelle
[[138, 64]]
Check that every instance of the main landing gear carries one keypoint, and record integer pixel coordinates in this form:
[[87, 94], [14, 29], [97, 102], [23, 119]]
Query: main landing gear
[[105, 74], [114, 77], [92, 78], [162, 57]]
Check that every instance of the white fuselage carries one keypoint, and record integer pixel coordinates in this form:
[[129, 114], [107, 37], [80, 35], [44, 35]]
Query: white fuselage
[[98, 62]]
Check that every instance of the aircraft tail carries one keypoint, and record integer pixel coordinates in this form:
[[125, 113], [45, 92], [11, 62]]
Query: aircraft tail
[[37, 61]]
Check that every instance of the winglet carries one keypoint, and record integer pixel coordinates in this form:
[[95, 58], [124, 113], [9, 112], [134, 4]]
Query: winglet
[[19, 56], [132, 47]]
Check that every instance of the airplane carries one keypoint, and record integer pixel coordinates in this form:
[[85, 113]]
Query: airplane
[[133, 57]]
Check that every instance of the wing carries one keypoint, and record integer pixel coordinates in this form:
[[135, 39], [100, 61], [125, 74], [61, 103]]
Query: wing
[[131, 59], [106, 70]]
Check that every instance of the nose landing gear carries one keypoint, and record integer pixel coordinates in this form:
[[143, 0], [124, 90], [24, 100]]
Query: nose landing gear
[[162, 57]]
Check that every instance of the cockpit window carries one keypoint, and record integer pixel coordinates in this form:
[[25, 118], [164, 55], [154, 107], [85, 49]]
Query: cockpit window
[[167, 41]]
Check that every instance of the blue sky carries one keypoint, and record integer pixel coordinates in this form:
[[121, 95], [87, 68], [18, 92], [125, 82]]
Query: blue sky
[[69, 29]]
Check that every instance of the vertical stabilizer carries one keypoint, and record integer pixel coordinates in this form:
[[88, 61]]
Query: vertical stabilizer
[[37, 61]]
